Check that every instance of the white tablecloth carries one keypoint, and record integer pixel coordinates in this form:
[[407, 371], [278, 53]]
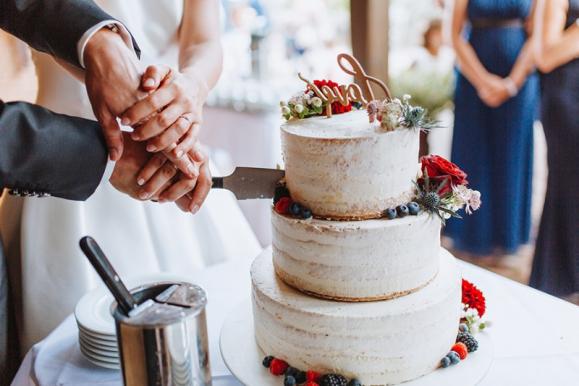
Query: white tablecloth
[[535, 336]]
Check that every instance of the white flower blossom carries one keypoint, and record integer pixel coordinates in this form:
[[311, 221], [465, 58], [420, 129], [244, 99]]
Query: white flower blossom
[[285, 110], [299, 108], [282, 103], [406, 98], [467, 197], [316, 101]]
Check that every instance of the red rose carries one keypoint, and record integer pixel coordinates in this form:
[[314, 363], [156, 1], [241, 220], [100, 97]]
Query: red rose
[[473, 297], [440, 169], [337, 107]]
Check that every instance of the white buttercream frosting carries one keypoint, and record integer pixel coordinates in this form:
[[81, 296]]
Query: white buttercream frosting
[[345, 167], [356, 260], [380, 343]]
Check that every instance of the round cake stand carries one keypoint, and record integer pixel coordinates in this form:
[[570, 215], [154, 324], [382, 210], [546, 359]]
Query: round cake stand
[[243, 357]]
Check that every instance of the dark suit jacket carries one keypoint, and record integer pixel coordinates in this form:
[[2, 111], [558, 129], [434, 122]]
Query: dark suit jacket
[[46, 153], [53, 26]]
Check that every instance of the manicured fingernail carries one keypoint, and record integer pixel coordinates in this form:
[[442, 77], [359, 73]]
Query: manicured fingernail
[[151, 148], [113, 154], [140, 181], [135, 136], [125, 121], [180, 154], [195, 209], [143, 195], [149, 82]]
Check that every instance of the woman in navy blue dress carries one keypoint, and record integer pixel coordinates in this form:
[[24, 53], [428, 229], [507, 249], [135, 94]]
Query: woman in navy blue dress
[[495, 103], [556, 262]]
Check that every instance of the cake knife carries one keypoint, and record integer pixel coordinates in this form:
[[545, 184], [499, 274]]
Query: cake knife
[[247, 183]]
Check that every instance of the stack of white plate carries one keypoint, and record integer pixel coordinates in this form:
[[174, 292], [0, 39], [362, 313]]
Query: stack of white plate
[[96, 329], [96, 326]]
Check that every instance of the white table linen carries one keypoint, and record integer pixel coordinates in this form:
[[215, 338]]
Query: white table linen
[[535, 336]]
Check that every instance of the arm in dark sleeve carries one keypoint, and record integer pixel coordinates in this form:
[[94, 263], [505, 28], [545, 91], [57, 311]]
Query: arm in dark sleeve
[[52, 26], [41, 151]]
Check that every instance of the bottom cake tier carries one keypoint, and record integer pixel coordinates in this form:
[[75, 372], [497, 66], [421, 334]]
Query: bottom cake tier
[[380, 343]]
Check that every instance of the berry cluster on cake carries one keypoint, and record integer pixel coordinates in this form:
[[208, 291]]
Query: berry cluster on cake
[[358, 288]]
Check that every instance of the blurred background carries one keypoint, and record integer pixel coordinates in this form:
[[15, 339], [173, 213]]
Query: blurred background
[[266, 42]]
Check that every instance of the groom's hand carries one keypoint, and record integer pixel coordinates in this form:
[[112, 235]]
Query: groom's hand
[[127, 168], [113, 76]]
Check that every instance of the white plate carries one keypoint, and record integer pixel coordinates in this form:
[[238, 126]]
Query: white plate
[[93, 310], [98, 353], [243, 357], [111, 339], [105, 344], [106, 365], [99, 358], [98, 350]]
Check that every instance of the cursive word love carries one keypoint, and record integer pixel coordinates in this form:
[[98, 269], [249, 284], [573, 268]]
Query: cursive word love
[[354, 92]]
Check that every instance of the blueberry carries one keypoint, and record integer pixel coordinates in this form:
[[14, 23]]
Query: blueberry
[[354, 382], [390, 213], [463, 327], [267, 361], [289, 381], [306, 213], [413, 208], [402, 210], [295, 209], [300, 377], [453, 356], [445, 362]]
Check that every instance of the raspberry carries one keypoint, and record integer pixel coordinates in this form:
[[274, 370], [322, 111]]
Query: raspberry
[[278, 366], [461, 349], [283, 205], [312, 375], [311, 383]]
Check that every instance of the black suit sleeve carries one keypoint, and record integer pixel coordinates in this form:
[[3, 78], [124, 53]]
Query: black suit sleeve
[[52, 26], [41, 151]]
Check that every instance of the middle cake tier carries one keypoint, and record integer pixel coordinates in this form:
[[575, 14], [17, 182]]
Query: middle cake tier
[[356, 260]]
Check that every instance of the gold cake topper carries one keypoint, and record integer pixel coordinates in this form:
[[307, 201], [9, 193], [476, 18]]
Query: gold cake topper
[[361, 91]]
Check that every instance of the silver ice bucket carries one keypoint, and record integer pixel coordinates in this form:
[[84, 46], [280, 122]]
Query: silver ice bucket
[[164, 341]]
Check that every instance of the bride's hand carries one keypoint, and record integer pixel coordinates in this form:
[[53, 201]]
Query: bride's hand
[[169, 117], [188, 193]]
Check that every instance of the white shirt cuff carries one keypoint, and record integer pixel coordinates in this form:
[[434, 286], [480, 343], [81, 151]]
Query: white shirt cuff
[[108, 171], [81, 45]]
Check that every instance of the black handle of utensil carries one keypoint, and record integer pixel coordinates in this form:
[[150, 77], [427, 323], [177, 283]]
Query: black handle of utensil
[[217, 183], [107, 273]]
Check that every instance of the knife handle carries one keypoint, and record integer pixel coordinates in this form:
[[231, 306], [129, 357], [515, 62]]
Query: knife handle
[[107, 273], [217, 182]]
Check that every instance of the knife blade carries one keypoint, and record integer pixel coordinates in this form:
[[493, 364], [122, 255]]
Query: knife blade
[[250, 183]]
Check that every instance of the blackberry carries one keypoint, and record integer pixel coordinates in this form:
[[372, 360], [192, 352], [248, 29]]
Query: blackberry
[[431, 200], [333, 380], [267, 361], [280, 191], [469, 340]]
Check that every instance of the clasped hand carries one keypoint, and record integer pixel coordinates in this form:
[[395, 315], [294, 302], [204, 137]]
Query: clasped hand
[[166, 121], [161, 159]]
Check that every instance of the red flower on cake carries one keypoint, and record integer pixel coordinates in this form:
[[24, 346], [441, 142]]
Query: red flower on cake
[[440, 169], [337, 107], [473, 297]]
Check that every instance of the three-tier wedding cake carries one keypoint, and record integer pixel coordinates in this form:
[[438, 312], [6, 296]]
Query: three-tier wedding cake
[[357, 282]]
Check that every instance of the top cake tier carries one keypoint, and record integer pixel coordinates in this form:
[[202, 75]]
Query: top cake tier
[[345, 168]]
